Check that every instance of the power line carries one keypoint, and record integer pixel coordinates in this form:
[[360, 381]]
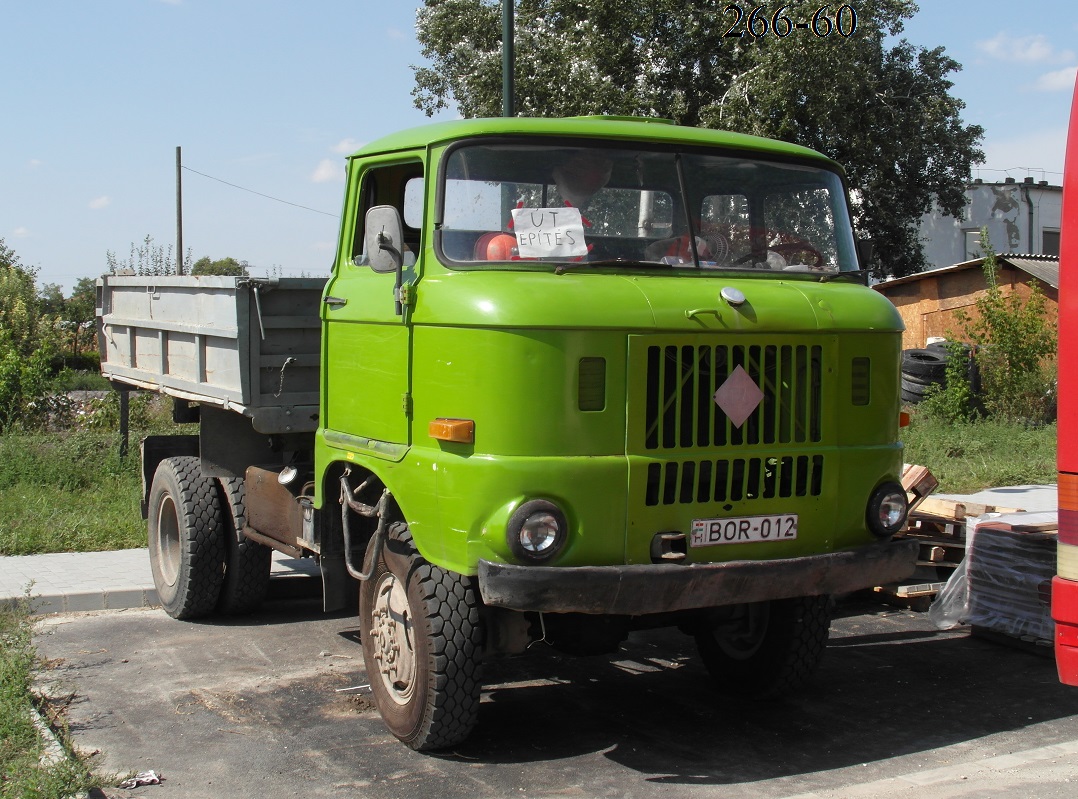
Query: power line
[[260, 194]]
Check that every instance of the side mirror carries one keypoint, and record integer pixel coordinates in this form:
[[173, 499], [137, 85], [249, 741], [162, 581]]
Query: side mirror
[[383, 238]]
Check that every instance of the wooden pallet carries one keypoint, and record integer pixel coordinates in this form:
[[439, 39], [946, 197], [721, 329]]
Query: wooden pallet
[[918, 482], [915, 596], [939, 526], [947, 517]]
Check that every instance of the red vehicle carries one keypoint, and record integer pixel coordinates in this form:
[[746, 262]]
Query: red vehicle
[[1065, 585]]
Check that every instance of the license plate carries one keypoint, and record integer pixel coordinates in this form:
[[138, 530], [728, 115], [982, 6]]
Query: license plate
[[744, 529]]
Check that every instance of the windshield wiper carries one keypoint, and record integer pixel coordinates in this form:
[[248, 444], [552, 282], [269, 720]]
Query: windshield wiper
[[861, 275]]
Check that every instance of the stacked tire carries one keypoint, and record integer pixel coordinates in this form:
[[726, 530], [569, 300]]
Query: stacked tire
[[924, 368]]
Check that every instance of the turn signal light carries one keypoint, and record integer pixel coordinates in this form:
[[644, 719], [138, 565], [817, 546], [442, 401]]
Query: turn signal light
[[460, 431]]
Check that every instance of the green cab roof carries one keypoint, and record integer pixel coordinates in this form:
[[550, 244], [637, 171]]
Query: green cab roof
[[627, 129]]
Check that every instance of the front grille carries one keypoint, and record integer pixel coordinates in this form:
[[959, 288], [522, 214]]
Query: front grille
[[679, 410], [734, 480]]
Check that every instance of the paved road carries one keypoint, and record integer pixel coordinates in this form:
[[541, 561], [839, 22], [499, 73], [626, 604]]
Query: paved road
[[268, 707]]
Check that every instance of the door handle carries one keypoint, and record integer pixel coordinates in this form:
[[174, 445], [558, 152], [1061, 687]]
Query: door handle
[[336, 302]]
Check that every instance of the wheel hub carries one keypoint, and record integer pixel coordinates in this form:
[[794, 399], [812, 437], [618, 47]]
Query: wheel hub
[[168, 540], [391, 629]]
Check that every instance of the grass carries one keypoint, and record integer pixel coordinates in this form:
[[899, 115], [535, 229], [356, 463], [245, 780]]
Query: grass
[[69, 491], [23, 773], [969, 457], [69, 380]]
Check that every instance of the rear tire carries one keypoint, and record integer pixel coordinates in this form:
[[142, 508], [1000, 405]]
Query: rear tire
[[186, 538], [247, 563], [772, 649], [422, 645]]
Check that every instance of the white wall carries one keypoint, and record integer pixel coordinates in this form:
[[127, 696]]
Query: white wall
[[1004, 208]]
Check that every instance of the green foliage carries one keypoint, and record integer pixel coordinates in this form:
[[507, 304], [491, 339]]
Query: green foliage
[[23, 325], [23, 774], [79, 312], [24, 384], [225, 266], [78, 380], [74, 315], [1015, 348], [70, 491], [971, 456], [954, 400], [33, 328], [670, 58], [147, 258]]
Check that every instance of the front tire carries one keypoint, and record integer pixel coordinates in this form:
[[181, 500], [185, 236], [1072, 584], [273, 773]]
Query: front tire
[[186, 538], [422, 645], [769, 649]]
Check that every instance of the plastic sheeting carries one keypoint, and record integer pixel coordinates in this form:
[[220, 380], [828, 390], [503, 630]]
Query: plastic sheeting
[[1004, 582]]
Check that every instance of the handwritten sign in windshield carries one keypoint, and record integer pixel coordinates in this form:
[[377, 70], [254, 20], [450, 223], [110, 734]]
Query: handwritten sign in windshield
[[549, 232]]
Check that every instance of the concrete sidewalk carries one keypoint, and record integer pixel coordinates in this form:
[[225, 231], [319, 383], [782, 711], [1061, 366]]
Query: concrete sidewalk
[[74, 581], [77, 581]]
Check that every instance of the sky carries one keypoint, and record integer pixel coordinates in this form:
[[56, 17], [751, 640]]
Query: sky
[[270, 96]]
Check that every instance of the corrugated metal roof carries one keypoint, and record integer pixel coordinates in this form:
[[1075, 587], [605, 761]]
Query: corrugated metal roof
[[1043, 267]]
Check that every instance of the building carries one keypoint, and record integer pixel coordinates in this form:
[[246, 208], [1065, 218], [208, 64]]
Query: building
[[1020, 217], [930, 301]]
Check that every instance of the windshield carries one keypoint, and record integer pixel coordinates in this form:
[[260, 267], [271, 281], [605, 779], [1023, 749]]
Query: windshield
[[510, 205]]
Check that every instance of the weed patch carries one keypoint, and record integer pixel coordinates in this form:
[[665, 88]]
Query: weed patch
[[70, 491], [23, 772], [969, 456]]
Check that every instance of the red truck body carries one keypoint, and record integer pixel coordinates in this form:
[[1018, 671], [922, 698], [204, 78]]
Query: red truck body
[[1065, 585]]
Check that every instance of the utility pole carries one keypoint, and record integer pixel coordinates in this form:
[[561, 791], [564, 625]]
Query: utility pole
[[179, 214], [508, 100]]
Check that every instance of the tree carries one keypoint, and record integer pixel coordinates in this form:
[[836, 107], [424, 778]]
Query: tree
[[51, 297], [22, 324], [881, 109], [1015, 346], [75, 313], [26, 341], [80, 311], [224, 266]]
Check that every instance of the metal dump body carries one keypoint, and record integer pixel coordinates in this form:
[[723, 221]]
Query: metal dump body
[[250, 345]]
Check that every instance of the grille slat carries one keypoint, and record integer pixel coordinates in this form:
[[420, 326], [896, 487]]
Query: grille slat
[[680, 412], [734, 480]]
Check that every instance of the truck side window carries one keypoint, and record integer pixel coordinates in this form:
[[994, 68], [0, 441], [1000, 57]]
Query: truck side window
[[399, 185]]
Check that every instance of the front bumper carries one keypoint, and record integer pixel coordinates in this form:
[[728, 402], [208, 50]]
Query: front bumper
[[660, 588]]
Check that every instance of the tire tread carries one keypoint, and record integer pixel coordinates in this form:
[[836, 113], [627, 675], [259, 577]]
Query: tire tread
[[201, 538], [247, 562]]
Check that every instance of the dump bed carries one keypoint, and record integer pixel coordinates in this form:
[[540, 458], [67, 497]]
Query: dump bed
[[245, 344]]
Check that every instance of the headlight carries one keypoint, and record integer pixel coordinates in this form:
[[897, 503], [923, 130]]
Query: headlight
[[537, 531], [886, 513]]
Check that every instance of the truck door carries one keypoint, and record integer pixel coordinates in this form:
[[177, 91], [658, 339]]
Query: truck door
[[367, 346]]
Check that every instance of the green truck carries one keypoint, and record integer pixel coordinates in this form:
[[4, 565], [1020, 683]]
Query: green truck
[[569, 378]]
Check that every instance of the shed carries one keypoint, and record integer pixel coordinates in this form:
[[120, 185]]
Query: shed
[[928, 301]]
